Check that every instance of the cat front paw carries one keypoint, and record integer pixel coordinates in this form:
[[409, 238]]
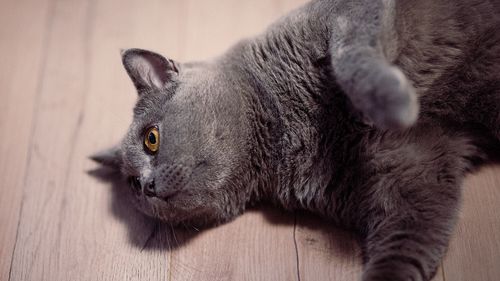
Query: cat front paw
[[387, 99], [393, 274]]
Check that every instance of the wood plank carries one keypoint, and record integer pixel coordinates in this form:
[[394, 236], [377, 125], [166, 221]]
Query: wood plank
[[213, 26], [22, 29], [326, 252], [256, 246], [474, 252], [74, 227], [37, 255]]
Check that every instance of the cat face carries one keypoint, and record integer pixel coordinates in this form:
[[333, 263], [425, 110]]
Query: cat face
[[183, 153]]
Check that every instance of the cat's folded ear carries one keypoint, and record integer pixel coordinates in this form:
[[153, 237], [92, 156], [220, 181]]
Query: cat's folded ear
[[110, 157], [148, 70]]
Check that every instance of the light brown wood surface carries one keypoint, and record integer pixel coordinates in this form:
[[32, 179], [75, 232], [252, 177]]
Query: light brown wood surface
[[64, 95]]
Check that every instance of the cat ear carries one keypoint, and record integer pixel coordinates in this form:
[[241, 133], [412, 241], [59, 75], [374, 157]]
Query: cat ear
[[110, 157], [148, 70]]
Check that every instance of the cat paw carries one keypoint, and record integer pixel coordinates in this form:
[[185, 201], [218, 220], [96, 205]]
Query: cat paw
[[387, 99], [396, 269], [392, 275]]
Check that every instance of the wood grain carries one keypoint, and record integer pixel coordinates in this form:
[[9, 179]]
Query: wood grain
[[256, 246], [46, 210], [328, 253], [22, 48], [474, 252], [65, 96], [325, 252]]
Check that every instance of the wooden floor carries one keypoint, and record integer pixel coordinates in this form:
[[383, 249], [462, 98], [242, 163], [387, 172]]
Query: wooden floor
[[64, 95]]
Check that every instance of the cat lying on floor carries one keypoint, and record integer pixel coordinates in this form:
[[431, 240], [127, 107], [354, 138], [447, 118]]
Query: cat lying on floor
[[367, 112]]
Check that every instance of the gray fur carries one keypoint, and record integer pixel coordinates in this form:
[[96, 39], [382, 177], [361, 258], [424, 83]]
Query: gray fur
[[320, 113]]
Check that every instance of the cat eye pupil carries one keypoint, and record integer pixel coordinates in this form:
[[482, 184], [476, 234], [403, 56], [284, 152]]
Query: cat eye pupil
[[152, 138]]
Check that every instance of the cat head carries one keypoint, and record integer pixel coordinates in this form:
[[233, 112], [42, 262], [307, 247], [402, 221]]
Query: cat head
[[184, 153]]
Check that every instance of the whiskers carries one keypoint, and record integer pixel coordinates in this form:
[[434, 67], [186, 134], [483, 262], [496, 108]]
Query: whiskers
[[188, 226], [151, 235], [173, 234]]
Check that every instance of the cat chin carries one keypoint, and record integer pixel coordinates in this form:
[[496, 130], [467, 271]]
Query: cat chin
[[169, 212], [198, 218]]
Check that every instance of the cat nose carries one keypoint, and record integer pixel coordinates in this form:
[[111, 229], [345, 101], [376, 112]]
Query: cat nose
[[149, 189]]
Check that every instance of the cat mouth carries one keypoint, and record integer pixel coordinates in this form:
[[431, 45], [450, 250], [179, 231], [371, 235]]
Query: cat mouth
[[164, 198], [149, 191], [168, 183]]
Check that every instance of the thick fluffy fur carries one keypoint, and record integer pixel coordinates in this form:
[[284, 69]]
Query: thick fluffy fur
[[320, 113]]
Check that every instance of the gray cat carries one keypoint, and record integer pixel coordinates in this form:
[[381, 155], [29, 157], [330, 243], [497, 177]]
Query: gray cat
[[367, 112]]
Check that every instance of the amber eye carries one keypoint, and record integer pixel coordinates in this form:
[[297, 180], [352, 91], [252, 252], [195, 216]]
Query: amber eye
[[152, 139]]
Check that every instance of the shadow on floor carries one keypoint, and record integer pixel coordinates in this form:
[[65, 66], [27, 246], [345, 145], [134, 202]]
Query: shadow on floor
[[151, 234]]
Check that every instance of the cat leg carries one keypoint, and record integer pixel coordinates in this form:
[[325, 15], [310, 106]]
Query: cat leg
[[362, 45], [407, 234]]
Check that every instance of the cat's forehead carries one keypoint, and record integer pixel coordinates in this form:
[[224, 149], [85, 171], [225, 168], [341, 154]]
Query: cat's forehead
[[198, 82], [199, 90], [195, 92]]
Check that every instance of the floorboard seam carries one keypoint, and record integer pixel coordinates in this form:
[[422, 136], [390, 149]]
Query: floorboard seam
[[49, 22], [297, 263], [170, 263], [89, 18], [442, 271]]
